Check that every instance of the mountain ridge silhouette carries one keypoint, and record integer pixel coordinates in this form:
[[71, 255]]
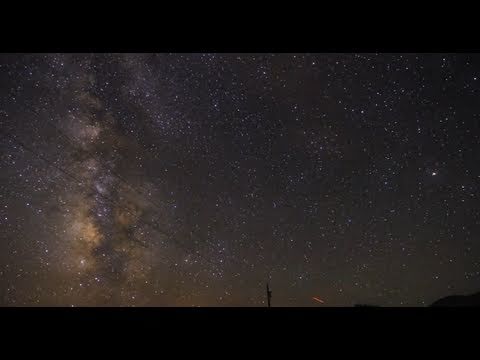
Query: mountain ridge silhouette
[[458, 300]]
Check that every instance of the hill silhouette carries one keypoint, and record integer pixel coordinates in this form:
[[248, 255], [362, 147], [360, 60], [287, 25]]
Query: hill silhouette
[[458, 300]]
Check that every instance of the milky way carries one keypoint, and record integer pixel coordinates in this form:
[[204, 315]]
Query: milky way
[[193, 179]]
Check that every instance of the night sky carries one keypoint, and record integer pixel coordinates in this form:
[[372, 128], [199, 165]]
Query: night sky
[[193, 179]]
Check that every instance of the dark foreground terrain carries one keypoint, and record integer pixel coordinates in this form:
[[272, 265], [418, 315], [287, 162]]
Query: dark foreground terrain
[[459, 300]]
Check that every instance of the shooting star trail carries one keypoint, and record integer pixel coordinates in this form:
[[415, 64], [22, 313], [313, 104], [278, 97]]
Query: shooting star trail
[[318, 300]]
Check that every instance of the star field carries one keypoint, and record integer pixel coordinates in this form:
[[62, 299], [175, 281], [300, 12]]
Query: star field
[[193, 179]]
